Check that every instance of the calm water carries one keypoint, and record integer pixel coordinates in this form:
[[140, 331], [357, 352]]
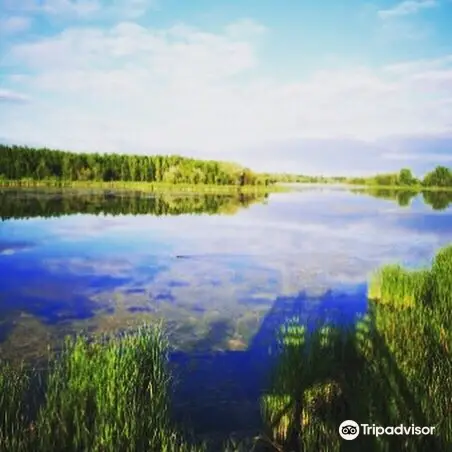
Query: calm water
[[223, 272]]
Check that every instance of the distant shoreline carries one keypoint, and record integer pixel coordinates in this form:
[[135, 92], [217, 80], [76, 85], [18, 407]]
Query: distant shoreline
[[350, 185]]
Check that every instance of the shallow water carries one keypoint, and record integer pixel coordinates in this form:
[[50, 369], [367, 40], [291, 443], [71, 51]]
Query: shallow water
[[223, 280]]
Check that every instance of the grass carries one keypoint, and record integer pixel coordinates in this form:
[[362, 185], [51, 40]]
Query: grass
[[107, 394], [146, 186], [395, 286], [13, 387]]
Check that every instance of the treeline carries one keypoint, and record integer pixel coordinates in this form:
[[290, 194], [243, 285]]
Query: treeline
[[440, 177], [13, 205], [21, 162], [302, 179]]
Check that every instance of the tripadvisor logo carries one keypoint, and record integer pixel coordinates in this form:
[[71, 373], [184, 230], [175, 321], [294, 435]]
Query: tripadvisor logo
[[350, 430]]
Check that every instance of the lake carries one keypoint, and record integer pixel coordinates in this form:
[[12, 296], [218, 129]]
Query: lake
[[222, 272]]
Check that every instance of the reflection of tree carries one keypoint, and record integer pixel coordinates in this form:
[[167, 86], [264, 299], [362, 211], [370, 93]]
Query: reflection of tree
[[404, 198], [439, 200], [14, 204]]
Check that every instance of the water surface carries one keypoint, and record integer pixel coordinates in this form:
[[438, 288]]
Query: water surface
[[223, 272]]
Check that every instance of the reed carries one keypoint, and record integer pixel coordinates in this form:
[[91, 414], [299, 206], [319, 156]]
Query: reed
[[394, 285], [157, 187], [441, 285], [107, 394], [14, 384]]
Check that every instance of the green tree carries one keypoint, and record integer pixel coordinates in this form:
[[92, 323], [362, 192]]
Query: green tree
[[19, 162], [42, 171], [439, 177], [406, 177]]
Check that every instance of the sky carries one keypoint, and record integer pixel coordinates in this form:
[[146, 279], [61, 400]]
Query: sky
[[326, 87]]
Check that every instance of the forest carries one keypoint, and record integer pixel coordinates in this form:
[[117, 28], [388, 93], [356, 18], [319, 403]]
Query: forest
[[21, 162]]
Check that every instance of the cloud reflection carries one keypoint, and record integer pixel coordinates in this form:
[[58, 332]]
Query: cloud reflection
[[233, 267]]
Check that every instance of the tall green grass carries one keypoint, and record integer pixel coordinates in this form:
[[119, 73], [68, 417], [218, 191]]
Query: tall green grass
[[107, 394], [14, 384], [145, 186], [395, 286], [441, 285]]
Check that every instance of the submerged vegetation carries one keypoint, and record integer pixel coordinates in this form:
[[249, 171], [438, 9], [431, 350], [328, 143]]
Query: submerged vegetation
[[57, 203], [393, 367]]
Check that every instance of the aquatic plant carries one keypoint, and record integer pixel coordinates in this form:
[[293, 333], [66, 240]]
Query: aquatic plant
[[105, 394], [441, 284], [394, 285], [14, 384]]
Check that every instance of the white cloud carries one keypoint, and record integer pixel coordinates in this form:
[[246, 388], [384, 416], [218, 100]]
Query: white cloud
[[245, 28], [416, 66], [11, 96], [14, 24], [134, 89], [7, 252], [406, 8]]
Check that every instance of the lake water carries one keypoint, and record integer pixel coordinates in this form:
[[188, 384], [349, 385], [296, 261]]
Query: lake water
[[223, 273]]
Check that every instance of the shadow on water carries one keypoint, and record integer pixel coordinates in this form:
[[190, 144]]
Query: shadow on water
[[217, 393], [326, 376], [315, 362]]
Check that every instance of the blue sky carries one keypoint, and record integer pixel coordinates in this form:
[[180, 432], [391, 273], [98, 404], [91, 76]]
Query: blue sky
[[314, 87]]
